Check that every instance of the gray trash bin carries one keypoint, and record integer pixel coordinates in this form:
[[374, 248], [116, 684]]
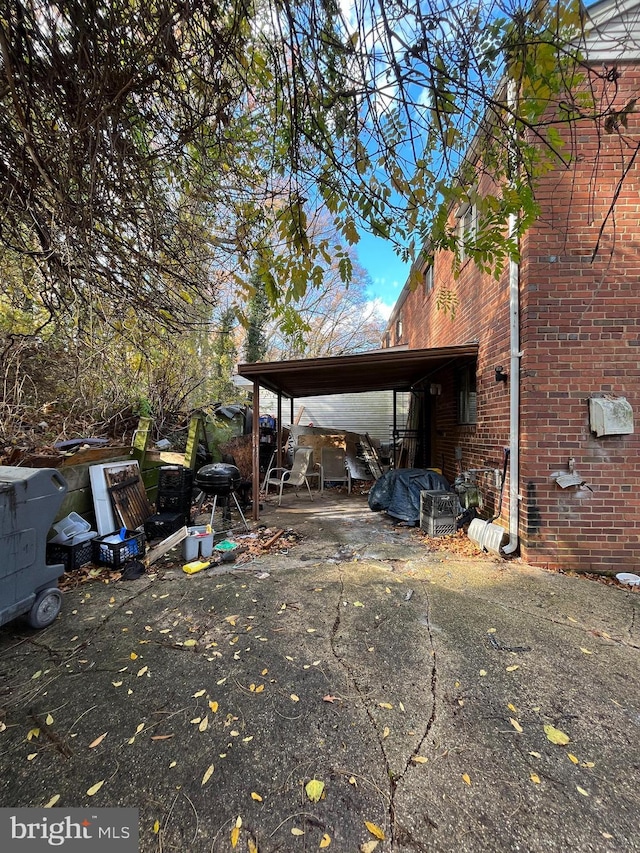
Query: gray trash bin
[[29, 501]]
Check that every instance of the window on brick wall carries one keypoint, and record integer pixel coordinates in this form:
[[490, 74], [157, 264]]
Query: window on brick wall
[[399, 330], [467, 227], [467, 395], [427, 276]]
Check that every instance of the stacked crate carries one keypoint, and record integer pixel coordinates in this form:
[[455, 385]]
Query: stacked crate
[[438, 512], [175, 493]]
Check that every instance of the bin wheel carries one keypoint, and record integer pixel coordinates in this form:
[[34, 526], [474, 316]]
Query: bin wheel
[[45, 608]]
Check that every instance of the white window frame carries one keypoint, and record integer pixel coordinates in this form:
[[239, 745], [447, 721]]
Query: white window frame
[[467, 395], [467, 227]]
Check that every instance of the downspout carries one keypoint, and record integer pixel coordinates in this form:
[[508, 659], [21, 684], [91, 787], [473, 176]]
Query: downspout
[[514, 376]]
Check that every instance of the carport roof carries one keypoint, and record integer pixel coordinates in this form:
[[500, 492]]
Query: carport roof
[[380, 370]]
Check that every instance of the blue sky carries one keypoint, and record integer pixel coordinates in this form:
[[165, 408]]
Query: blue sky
[[388, 273]]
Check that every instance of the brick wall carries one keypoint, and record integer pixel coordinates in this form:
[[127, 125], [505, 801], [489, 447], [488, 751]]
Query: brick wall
[[580, 335]]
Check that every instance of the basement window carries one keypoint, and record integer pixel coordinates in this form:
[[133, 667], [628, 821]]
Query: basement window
[[467, 395]]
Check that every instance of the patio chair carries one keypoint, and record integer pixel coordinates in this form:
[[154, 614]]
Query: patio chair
[[334, 467], [296, 476]]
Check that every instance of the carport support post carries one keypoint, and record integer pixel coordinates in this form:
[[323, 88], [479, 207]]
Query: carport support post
[[279, 433], [255, 447]]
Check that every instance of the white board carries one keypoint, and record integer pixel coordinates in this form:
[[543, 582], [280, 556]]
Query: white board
[[105, 519]]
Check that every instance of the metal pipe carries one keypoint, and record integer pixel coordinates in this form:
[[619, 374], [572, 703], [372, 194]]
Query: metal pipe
[[514, 401]]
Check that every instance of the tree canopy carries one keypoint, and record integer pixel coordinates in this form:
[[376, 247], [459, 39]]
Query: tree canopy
[[150, 150]]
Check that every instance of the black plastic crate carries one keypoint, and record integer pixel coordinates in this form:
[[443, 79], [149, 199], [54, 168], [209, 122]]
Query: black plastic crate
[[163, 524], [442, 526], [435, 504], [71, 556], [116, 554], [174, 502], [175, 478]]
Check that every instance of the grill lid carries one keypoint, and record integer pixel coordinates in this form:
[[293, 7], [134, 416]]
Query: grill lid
[[221, 478]]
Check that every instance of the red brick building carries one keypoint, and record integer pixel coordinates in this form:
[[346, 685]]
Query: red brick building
[[565, 329]]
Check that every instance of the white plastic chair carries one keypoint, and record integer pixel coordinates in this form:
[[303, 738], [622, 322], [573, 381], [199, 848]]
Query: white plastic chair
[[296, 476], [334, 467]]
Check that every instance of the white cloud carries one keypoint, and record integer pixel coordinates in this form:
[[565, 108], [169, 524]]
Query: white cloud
[[379, 307]]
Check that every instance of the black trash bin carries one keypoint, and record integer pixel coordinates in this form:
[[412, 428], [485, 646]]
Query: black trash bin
[[29, 502]]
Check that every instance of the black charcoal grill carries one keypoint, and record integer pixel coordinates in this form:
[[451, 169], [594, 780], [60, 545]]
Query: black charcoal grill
[[220, 481]]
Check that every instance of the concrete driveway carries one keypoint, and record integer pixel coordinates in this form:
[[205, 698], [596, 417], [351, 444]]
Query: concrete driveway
[[419, 691]]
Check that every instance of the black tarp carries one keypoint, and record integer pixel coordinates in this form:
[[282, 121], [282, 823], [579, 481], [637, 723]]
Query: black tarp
[[398, 492]]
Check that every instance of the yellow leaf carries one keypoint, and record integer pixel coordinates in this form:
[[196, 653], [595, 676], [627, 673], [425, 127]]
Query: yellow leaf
[[588, 764], [52, 802], [572, 758], [33, 733], [295, 698], [196, 720], [204, 724], [133, 656], [189, 643], [142, 671], [512, 708], [466, 778], [214, 707], [325, 841], [235, 835], [199, 693], [368, 846], [95, 788], [358, 604], [516, 725], [582, 791], [231, 620], [156, 827], [264, 672], [259, 688], [49, 720], [535, 778], [419, 759], [97, 741], [385, 705], [375, 830], [386, 732], [535, 754], [256, 797], [513, 667], [353, 781], [483, 672], [117, 683], [556, 736], [207, 775], [37, 674], [296, 831], [140, 727], [314, 789], [252, 688], [252, 847], [31, 756], [585, 651], [173, 764]]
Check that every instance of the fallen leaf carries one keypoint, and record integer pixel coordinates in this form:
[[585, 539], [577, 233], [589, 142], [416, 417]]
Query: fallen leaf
[[140, 727], [314, 790], [353, 781], [31, 756], [259, 688], [385, 705], [419, 759], [49, 720], [535, 754], [556, 736], [588, 764], [386, 732], [329, 698], [52, 802], [207, 775], [95, 788], [173, 764], [264, 672], [512, 708], [117, 683], [582, 791], [256, 797], [142, 671], [235, 835], [516, 725], [294, 698], [252, 847], [368, 846], [33, 733], [231, 620], [204, 724], [199, 693], [325, 841], [571, 619], [196, 720], [513, 667], [97, 741], [37, 674], [358, 604], [483, 672], [214, 707], [585, 651], [161, 737], [190, 643], [133, 656], [156, 826], [375, 830], [535, 778], [466, 778], [296, 831], [572, 758], [401, 707], [491, 630]]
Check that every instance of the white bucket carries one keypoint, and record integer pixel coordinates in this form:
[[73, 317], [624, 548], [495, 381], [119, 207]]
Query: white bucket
[[488, 536]]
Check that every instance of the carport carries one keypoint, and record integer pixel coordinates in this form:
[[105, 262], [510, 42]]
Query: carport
[[379, 370]]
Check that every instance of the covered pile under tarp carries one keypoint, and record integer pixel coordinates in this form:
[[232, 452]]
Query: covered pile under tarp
[[398, 492]]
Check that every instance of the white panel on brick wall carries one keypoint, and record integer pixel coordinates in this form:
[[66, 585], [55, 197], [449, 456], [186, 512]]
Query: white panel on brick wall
[[610, 416]]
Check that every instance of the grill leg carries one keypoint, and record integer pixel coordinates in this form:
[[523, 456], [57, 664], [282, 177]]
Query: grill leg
[[213, 512], [244, 520]]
